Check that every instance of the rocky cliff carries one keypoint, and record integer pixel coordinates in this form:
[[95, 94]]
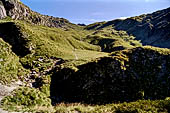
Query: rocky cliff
[[18, 11], [2, 11]]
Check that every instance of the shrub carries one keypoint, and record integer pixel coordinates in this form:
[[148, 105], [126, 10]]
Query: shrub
[[26, 97]]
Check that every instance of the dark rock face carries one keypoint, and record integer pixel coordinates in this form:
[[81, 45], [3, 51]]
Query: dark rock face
[[140, 73], [16, 10]]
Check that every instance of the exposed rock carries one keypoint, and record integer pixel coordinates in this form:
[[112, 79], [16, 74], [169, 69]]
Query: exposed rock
[[2, 11], [16, 10]]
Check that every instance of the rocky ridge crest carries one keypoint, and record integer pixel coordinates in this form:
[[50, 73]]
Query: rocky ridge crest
[[18, 11]]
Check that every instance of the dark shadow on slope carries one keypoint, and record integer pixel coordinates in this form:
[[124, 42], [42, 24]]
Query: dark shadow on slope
[[106, 44], [94, 83], [11, 34], [108, 80]]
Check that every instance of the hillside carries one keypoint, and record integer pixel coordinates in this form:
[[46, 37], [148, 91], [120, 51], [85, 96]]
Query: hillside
[[151, 29], [53, 65]]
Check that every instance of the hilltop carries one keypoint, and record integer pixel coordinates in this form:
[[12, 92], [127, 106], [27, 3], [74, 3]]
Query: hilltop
[[57, 66]]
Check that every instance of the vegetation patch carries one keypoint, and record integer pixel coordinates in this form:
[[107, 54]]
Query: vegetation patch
[[111, 40], [9, 64], [26, 97], [141, 106]]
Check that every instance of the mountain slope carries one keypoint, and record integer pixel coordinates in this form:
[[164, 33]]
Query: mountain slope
[[151, 29]]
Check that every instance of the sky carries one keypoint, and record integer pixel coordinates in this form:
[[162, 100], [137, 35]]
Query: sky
[[90, 11]]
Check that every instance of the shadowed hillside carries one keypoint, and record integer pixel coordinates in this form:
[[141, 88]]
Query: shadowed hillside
[[139, 73]]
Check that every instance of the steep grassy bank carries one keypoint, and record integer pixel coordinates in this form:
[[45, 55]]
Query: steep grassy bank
[[9, 63]]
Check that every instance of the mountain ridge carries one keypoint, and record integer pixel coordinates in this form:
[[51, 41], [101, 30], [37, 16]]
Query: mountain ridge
[[18, 11], [151, 29]]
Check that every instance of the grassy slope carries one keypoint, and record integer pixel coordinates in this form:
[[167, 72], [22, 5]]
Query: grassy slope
[[55, 42], [111, 40], [151, 29], [9, 63], [142, 106], [75, 45]]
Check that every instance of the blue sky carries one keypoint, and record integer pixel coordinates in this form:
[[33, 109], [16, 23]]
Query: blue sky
[[89, 11]]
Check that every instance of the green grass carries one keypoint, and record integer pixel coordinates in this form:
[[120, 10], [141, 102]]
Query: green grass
[[49, 42], [111, 40], [9, 63], [83, 51], [141, 106], [26, 96]]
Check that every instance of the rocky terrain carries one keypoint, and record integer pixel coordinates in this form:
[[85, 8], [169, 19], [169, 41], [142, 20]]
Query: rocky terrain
[[104, 67], [18, 11]]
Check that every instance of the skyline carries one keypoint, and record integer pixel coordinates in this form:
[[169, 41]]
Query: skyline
[[86, 11]]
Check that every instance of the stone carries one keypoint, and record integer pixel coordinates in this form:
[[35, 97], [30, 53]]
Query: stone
[[2, 11]]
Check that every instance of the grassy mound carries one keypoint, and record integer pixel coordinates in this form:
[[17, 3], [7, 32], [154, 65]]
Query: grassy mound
[[119, 77]]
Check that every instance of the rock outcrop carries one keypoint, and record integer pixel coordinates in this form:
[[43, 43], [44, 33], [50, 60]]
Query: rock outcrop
[[18, 11], [2, 11]]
